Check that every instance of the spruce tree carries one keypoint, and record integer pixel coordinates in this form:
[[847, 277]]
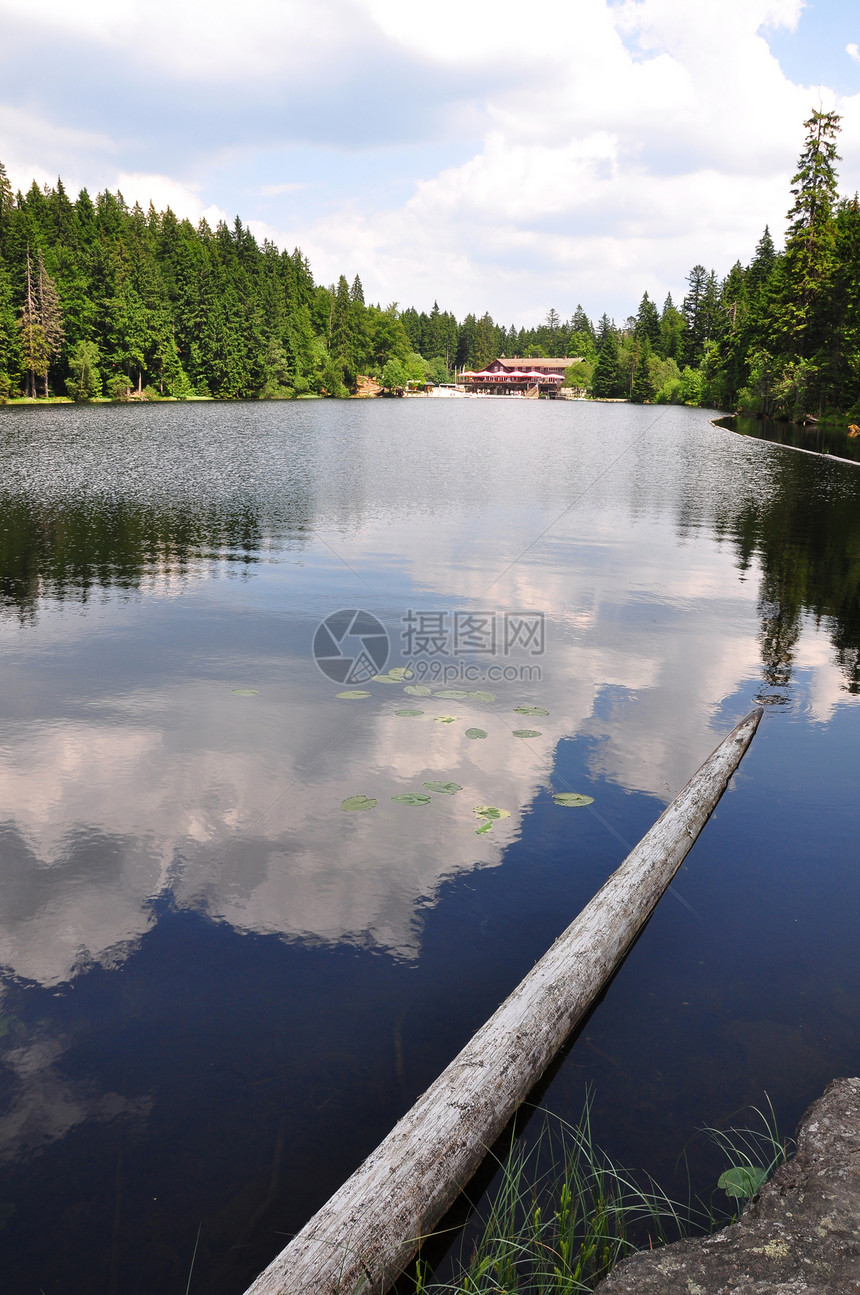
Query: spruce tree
[[643, 387], [10, 351], [604, 383], [34, 347], [50, 315], [647, 320], [811, 235]]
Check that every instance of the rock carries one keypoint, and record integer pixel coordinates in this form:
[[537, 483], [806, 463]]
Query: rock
[[799, 1236]]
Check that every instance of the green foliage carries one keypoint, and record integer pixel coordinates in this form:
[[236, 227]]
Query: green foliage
[[742, 1181], [84, 381], [395, 375], [119, 387], [579, 375]]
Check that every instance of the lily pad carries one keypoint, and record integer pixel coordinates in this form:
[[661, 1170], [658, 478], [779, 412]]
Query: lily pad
[[353, 804], [742, 1181], [400, 672], [447, 719], [446, 788], [418, 690], [246, 692], [491, 812], [451, 694], [412, 798], [485, 827], [530, 710], [352, 694], [526, 732], [476, 732], [479, 695], [572, 799], [411, 714], [384, 678]]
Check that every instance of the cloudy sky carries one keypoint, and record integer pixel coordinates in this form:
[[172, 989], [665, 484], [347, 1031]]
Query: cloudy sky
[[496, 157]]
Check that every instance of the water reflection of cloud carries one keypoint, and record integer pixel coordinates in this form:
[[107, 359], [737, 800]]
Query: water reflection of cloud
[[45, 1105], [157, 778], [167, 789]]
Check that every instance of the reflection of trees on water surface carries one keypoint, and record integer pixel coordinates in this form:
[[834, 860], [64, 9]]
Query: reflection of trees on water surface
[[806, 536], [68, 551]]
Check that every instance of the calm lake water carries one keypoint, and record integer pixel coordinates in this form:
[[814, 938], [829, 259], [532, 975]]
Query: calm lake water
[[219, 989]]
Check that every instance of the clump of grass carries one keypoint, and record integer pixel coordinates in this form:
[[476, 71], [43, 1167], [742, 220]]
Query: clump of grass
[[753, 1155], [557, 1229], [564, 1214]]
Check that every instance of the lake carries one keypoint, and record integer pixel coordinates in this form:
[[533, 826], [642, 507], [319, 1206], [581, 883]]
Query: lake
[[220, 988]]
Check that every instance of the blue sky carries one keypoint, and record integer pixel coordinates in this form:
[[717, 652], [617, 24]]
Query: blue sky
[[490, 156]]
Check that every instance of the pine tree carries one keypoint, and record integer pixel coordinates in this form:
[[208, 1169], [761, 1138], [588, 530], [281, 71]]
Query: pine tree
[[672, 325], [34, 346], [50, 315], [694, 311], [811, 235], [648, 320], [604, 383], [7, 203], [10, 352], [643, 387]]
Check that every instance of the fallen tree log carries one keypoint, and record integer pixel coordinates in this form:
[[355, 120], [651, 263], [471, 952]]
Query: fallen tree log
[[363, 1237]]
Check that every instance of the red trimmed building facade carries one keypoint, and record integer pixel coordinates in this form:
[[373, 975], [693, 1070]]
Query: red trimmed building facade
[[525, 377]]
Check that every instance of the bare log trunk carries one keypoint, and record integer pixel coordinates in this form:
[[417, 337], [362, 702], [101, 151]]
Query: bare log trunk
[[369, 1230]]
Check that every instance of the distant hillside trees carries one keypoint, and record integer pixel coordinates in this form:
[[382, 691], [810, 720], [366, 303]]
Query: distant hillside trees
[[97, 297]]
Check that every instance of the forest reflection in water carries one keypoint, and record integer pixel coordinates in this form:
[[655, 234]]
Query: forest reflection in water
[[220, 989]]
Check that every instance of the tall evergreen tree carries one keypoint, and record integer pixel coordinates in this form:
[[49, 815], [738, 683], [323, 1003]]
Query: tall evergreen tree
[[34, 346], [604, 383], [50, 315], [811, 235], [648, 320]]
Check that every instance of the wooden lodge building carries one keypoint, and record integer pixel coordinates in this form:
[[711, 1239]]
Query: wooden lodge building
[[515, 376]]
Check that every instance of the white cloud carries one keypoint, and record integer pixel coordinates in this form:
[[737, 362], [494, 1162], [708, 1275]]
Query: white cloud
[[183, 199], [616, 145], [853, 52], [640, 140], [208, 41]]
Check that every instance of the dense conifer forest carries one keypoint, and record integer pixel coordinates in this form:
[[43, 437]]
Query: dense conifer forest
[[99, 299]]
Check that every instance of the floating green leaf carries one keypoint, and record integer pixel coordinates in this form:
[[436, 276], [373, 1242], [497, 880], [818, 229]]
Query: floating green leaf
[[410, 713], [412, 798], [572, 799], [490, 811], [354, 803], [400, 672], [485, 827], [526, 732], [246, 692], [385, 678], [447, 719], [530, 710], [481, 696], [476, 732], [451, 694], [446, 788], [742, 1181], [352, 694], [417, 690]]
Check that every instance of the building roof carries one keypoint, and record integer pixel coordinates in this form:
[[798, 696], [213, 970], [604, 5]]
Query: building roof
[[544, 361]]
